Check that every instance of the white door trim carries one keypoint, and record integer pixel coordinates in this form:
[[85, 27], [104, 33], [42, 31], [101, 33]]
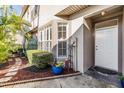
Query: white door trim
[[109, 27]]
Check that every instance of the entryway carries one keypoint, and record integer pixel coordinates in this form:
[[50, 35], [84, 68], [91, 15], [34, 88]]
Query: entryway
[[106, 52], [106, 45]]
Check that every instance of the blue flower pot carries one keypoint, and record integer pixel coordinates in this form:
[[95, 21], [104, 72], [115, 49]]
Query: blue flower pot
[[122, 83], [57, 70]]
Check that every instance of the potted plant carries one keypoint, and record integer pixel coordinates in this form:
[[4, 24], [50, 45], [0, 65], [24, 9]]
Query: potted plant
[[57, 68], [122, 81]]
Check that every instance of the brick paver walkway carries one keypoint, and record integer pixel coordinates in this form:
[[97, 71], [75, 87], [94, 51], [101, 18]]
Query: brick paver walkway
[[12, 71]]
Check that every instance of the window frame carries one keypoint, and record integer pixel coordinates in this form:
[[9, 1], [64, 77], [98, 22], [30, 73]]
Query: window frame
[[62, 40], [62, 31], [62, 49], [45, 38], [33, 12]]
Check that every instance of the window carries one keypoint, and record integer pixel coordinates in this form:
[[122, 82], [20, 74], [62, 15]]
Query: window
[[32, 15], [62, 27], [46, 36], [27, 14], [32, 43], [62, 43], [34, 12], [41, 36], [50, 33], [62, 48]]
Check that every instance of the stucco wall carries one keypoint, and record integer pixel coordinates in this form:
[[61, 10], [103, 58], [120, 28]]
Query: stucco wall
[[85, 45], [88, 49]]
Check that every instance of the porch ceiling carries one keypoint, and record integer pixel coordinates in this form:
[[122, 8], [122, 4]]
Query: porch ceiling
[[65, 13], [110, 13]]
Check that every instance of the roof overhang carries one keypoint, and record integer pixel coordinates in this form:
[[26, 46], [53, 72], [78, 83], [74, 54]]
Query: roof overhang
[[34, 30], [24, 9], [70, 10], [86, 11]]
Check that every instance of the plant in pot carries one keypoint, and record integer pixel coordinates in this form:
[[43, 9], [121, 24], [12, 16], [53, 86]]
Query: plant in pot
[[122, 81], [57, 68]]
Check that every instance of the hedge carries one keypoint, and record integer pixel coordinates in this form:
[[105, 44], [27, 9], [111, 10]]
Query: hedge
[[31, 52], [42, 60], [39, 58]]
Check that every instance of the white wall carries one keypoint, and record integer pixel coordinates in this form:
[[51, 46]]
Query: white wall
[[76, 31], [27, 17], [47, 13]]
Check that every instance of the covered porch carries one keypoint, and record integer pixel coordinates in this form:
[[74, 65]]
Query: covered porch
[[94, 56]]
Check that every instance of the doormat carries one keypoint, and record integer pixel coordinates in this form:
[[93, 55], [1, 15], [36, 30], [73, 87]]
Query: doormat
[[104, 75], [104, 71]]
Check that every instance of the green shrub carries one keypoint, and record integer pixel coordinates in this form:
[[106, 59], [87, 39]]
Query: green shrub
[[41, 60], [35, 52], [3, 52], [30, 53], [15, 47], [122, 78]]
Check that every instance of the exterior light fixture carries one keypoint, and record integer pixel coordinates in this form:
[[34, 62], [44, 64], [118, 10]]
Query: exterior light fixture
[[103, 13]]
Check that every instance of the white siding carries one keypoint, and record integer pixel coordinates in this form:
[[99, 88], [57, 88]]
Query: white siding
[[76, 31]]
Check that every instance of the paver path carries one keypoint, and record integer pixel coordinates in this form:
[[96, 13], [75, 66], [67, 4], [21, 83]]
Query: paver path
[[80, 81], [12, 71]]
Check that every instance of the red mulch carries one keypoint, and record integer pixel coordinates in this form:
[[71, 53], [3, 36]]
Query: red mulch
[[26, 73]]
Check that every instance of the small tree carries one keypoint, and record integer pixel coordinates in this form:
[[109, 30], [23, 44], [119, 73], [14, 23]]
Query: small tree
[[10, 23]]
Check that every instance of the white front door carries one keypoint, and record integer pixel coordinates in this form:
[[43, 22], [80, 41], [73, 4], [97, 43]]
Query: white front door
[[106, 47]]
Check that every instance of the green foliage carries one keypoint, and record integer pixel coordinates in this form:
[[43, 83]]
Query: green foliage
[[4, 48], [41, 60], [122, 78], [59, 64], [15, 47], [10, 23], [30, 54]]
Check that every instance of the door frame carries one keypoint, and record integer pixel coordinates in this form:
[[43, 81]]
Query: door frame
[[102, 28], [119, 18]]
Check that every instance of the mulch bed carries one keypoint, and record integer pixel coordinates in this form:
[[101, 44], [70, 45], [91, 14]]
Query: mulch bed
[[32, 73], [27, 72], [4, 68]]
